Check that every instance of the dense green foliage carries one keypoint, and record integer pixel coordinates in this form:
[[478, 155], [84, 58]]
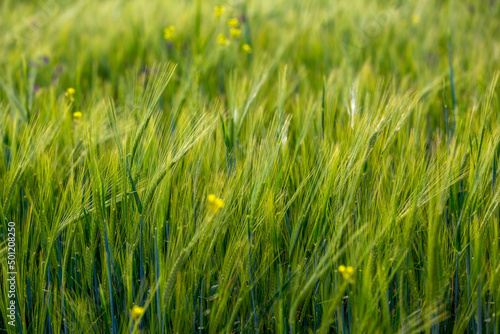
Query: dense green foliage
[[340, 135]]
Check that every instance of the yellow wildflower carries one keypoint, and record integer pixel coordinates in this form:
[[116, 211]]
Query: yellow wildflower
[[347, 272], [214, 203], [235, 32], [70, 94], [169, 33], [219, 11], [222, 40], [415, 19], [233, 23], [246, 48], [137, 312], [77, 114]]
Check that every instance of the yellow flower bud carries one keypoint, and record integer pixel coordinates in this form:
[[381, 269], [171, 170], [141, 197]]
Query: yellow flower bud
[[169, 33], [219, 11], [350, 270], [235, 33], [214, 203], [246, 48], [137, 312], [233, 23], [222, 40]]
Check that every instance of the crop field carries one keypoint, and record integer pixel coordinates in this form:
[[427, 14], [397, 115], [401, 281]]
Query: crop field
[[253, 166]]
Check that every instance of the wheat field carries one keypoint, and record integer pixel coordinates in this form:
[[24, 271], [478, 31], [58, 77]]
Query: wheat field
[[249, 166]]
